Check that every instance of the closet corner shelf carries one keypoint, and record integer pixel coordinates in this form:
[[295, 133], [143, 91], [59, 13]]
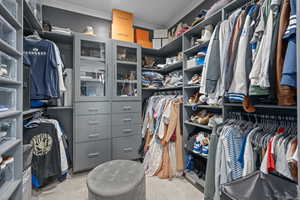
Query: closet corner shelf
[[192, 87], [195, 48], [8, 145], [173, 67], [30, 19], [171, 47], [198, 183], [9, 18], [6, 48], [196, 154], [198, 125], [203, 106], [9, 82], [194, 69], [8, 188], [34, 110], [126, 62], [263, 106], [58, 37], [9, 114], [127, 81], [162, 89], [152, 70]]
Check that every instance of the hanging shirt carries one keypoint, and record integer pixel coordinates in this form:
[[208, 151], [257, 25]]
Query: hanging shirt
[[46, 154], [43, 68], [60, 67]]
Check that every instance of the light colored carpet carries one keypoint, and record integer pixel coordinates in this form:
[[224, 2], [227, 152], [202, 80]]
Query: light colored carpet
[[75, 188]]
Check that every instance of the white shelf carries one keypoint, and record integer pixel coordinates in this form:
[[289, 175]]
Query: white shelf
[[8, 189]]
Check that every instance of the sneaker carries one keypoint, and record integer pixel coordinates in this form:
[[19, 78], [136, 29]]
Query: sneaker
[[197, 147], [205, 150]]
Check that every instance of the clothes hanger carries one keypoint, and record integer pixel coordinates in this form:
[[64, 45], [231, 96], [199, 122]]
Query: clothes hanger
[[34, 36]]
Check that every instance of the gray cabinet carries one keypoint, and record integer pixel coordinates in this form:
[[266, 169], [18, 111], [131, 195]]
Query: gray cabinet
[[107, 102], [127, 70], [126, 100], [92, 106], [91, 73]]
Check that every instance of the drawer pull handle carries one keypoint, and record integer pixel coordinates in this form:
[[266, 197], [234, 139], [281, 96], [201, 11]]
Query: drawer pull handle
[[93, 155], [127, 108], [127, 120], [128, 149], [93, 122], [93, 110], [94, 136], [127, 130]]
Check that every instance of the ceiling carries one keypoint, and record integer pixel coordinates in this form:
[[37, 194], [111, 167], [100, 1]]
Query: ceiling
[[148, 13]]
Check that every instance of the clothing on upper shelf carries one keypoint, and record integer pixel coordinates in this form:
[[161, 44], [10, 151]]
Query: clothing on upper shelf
[[49, 150], [46, 68], [163, 137], [257, 50], [244, 147]]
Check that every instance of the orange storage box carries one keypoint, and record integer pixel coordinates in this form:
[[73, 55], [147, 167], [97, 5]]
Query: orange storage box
[[141, 34], [122, 32], [145, 44], [122, 17]]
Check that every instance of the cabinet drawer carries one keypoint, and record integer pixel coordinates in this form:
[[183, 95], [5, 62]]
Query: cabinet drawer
[[92, 108], [126, 147], [126, 130], [92, 127], [126, 107], [89, 155], [126, 119]]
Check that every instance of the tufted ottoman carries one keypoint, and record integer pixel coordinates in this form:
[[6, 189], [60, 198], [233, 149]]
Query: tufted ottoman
[[117, 180]]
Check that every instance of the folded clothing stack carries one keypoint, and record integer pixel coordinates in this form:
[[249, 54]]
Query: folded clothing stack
[[152, 80], [174, 79]]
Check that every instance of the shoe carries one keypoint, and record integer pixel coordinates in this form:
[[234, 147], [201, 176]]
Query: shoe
[[206, 34], [205, 150], [197, 147], [204, 120], [202, 100], [196, 79], [194, 98]]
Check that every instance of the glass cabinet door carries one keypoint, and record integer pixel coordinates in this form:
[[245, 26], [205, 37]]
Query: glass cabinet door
[[92, 81], [92, 70], [126, 72], [91, 49]]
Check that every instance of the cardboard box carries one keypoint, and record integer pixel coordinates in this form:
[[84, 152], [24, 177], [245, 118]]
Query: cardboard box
[[122, 17], [141, 34], [156, 43], [145, 44], [160, 33], [122, 32]]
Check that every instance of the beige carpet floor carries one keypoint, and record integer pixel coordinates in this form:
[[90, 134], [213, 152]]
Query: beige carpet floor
[[74, 188]]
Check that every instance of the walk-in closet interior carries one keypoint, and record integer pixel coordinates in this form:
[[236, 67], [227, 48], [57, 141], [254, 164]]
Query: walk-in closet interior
[[149, 100]]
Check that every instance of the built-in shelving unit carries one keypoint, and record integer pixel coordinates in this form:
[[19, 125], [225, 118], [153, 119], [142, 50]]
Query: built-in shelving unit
[[12, 117]]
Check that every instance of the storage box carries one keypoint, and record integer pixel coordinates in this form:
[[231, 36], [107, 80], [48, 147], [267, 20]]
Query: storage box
[[145, 44], [122, 17], [7, 99], [11, 6], [8, 67], [122, 32], [156, 43], [161, 33], [7, 33], [142, 35], [7, 129]]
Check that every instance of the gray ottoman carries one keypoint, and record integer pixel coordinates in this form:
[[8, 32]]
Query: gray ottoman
[[117, 180]]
